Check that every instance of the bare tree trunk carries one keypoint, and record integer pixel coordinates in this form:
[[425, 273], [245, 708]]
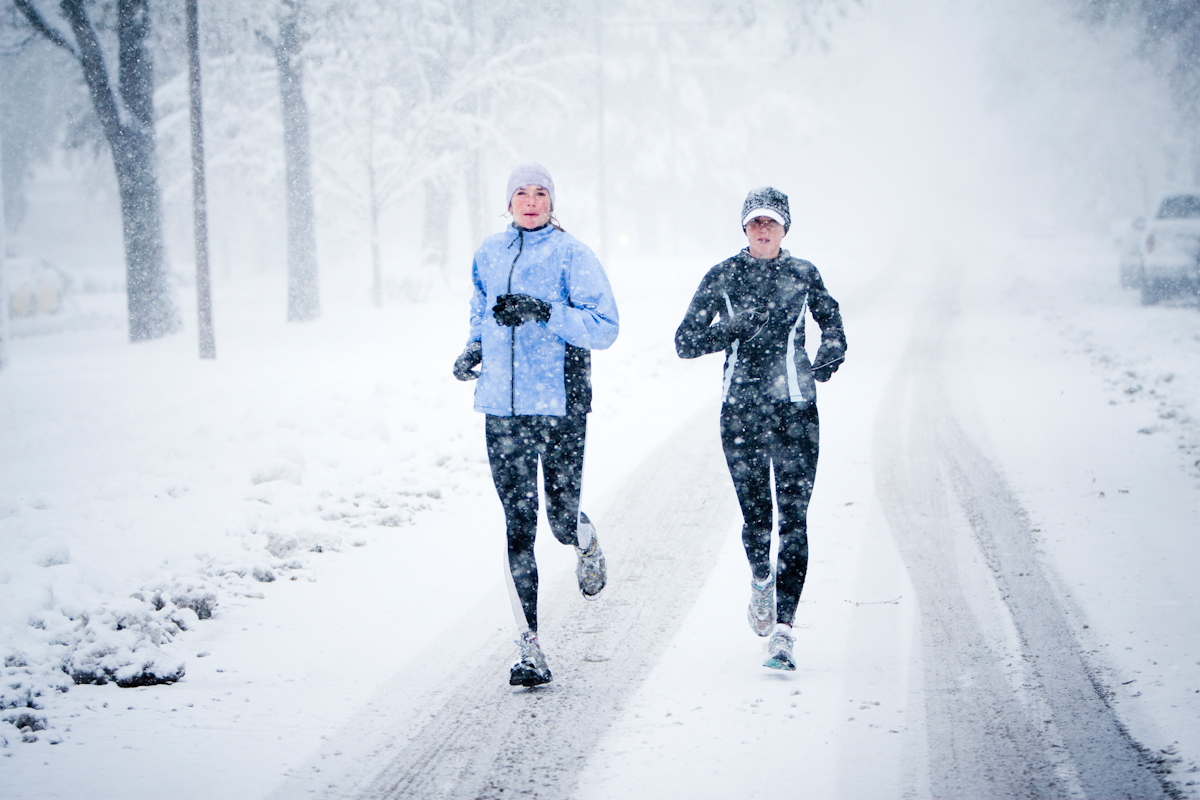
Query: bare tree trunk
[[436, 239], [208, 346], [601, 176], [152, 311], [4, 332], [473, 175], [374, 206], [303, 293], [473, 179]]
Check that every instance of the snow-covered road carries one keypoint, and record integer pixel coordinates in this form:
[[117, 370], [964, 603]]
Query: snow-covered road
[[488, 740], [1012, 707], [1002, 534]]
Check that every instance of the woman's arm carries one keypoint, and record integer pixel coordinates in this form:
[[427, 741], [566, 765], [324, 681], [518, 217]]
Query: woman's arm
[[697, 335], [590, 320], [478, 303], [826, 312]]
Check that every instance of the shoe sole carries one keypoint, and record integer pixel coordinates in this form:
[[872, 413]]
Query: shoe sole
[[775, 663], [528, 680], [595, 594]]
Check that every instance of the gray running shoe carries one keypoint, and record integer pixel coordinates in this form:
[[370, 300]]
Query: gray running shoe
[[779, 649], [531, 669], [761, 611], [591, 571]]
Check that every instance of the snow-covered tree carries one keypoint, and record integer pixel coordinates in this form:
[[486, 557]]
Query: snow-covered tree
[[4, 334], [1168, 36], [126, 117], [287, 45], [405, 101]]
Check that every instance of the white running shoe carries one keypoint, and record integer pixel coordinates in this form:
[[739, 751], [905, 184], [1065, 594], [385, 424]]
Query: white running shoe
[[761, 611], [779, 649], [531, 668], [591, 571]]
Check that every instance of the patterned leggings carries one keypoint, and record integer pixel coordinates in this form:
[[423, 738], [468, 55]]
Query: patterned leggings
[[785, 436], [514, 446]]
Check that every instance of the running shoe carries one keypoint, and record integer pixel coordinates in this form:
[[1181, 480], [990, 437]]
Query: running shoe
[[591, 571], [531, 668], [779, 649], [761, 611]]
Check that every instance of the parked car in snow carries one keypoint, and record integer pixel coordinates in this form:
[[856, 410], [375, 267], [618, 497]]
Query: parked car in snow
[[1127, 240], [1171, 248], [35, 286]]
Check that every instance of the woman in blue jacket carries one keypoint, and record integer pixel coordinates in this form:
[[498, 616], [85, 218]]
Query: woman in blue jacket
[[541, 303], [753, 307]]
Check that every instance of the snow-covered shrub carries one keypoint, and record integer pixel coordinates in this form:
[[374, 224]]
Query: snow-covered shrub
[[122, 644], [25, 721], [199, 598]]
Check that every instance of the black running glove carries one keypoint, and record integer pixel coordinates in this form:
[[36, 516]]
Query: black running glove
[[472, 355], [829, 358], [744, 324], [512, 310]]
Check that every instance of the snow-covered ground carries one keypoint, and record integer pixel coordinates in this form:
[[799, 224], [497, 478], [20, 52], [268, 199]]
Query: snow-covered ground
[[320, 495]]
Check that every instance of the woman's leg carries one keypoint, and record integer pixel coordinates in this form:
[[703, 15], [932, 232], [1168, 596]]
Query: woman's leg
[[512, 446], [795, 461], [562, 473], [749, 464]]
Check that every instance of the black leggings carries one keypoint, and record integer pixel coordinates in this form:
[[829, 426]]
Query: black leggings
[[514, 445], [786, 436]]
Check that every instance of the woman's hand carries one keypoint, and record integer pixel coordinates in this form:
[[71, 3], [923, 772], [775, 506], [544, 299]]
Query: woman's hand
[[745, 324], [829, 357], [472, 355], [512, 310]]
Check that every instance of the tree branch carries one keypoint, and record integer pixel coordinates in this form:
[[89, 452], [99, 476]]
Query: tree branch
[[45, 29], [133, 64], [95, 72], [266, 40]]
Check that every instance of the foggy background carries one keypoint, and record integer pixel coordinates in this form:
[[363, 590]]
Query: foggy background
[[958, 171], [890, 124]]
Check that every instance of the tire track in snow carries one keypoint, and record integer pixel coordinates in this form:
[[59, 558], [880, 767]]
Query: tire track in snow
[[661, 536], [1011, 706]]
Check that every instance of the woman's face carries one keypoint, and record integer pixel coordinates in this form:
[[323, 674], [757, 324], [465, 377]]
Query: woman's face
[[764, 235], [530, 207]]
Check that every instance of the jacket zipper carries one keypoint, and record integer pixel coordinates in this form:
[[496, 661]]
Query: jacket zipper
[[512, 333]]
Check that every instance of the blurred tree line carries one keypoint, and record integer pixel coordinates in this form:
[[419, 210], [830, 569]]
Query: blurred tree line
[[1168, 37], [386, 127]]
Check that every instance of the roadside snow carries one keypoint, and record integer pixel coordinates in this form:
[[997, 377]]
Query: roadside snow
[[152, 490], [341, 460], [1090, 402]]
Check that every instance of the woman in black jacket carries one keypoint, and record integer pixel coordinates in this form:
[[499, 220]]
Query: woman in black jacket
[[753, 306]]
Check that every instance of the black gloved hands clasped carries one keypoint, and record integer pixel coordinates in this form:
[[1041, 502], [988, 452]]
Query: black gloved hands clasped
[[472, 355], [512, 310], [829, 358], [744, 324]]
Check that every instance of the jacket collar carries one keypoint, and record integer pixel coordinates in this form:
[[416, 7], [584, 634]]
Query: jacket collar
[[783, 256], [530, 236]]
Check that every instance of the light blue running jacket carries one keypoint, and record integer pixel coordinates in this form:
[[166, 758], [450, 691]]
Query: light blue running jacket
[[522, 371]]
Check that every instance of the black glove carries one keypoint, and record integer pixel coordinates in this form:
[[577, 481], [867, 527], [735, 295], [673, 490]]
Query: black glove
[[512, 310], [829, 358], [744, 324], [472, 355]]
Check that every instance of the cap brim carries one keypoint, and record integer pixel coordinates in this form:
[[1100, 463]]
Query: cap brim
[[763, 212]]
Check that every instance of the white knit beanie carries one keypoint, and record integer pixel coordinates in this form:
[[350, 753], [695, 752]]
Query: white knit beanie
[[530, 173]]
